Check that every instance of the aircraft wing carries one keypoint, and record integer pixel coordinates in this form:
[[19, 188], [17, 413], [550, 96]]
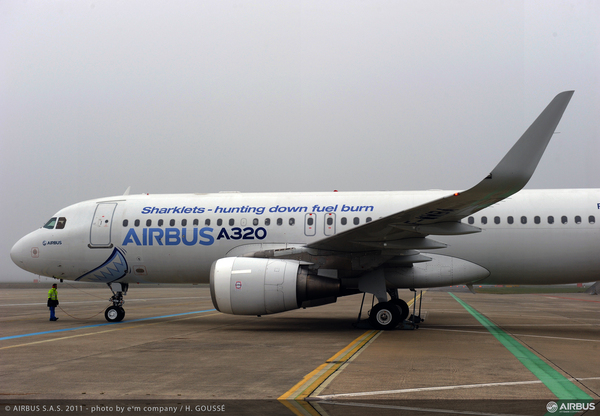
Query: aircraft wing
[[407, 229]]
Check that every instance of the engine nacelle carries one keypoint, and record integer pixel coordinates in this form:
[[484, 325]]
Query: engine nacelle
[[258, 286]]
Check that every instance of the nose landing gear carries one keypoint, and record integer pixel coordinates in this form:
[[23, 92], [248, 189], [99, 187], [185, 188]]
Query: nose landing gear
[[116, 313]]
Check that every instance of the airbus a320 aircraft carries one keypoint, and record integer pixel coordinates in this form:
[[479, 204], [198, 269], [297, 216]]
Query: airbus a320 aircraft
[[272, 252]]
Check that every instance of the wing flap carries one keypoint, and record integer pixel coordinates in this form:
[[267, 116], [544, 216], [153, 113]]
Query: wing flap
[[405, 244], [439, 228]]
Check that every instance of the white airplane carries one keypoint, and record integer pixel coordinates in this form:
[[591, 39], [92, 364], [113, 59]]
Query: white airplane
[[272, 252]]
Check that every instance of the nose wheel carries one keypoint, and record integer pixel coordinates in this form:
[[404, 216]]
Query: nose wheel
[[116, 313]]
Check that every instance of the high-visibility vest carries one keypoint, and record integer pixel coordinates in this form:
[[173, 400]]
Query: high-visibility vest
[[52, 294]]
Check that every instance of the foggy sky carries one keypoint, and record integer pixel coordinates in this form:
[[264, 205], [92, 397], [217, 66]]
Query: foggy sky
[[204, 96]]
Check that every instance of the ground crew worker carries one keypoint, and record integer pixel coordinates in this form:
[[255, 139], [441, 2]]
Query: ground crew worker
[[53, 301]]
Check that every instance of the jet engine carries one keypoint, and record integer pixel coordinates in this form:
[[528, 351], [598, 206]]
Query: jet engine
[[258, 286]]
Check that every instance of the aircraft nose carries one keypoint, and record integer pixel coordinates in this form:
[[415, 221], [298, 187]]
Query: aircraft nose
[[21, 252]]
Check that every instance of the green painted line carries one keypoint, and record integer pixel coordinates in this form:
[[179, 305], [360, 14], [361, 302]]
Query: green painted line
[[558, 384]]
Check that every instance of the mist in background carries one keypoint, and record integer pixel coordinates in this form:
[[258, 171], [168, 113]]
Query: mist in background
[[205, 96]]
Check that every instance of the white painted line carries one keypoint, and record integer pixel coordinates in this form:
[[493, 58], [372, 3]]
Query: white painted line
[[516, 335], [560, 338], [460, 386], [417, 409], [421, 389]]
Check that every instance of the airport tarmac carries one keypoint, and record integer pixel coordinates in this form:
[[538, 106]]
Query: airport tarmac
[[471, 354]]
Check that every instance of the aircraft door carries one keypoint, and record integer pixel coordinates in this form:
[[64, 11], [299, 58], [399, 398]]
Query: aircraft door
[[310, 224], [100, 230], [330, 224]]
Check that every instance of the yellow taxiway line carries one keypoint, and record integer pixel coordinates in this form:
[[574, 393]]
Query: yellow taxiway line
[[294, 398]]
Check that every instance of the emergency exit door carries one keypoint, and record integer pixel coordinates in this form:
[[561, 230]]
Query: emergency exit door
[[100, 230]]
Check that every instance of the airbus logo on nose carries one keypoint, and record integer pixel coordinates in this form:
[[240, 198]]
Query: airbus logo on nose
[[51, 243]]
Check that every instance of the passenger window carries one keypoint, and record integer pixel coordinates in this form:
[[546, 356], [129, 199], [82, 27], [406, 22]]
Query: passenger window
[[219, 222], [196, 222], [329, 221], [310, 221], [496, 220], [484, 220], [523, 220], [267, 221], [279, 221], [564, 219], [125, 223], [510, 219], [183, 223], [344, 220], [207, 222], [172, 223], [292, 221], [148, 223], [255, 221], [550, 219], [51, 223], [537, 219], [231, 221], [592, 219], [136, 223], [160, 223], [369, 219], [356, 221], [577, 220], [61, 223], [471, 220]]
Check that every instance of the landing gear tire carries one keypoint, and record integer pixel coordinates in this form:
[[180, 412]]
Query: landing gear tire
[[404, 311], [114, 314], [385, 315]]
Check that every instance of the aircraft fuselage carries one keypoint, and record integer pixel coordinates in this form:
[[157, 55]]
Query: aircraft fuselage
[[176, 238]]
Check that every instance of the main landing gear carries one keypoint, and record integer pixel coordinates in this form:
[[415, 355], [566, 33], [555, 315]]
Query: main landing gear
[[388, 315], [116, 313]]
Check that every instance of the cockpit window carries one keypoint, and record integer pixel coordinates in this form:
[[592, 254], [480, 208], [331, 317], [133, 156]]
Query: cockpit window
[[51, 223], [60, 224]]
